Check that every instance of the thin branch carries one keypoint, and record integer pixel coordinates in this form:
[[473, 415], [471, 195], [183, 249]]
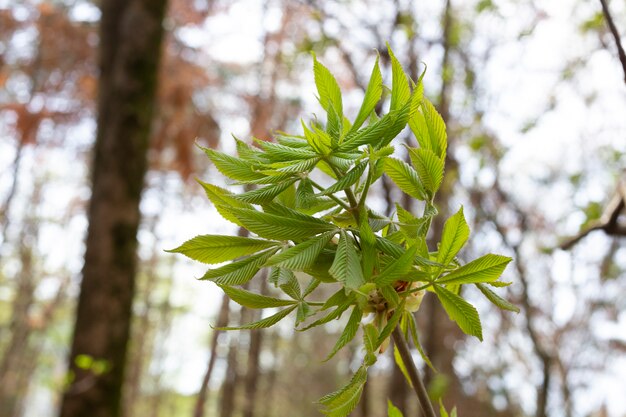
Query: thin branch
[[608, 222], [416, 380], [613, 28]]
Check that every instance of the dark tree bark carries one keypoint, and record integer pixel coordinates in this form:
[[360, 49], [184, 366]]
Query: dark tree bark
[[130, 42]]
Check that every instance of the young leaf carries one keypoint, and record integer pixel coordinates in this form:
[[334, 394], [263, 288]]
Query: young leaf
[[391, 324], [222, 198], [341, 403], [335, 314], [239, 272], [367, 136], [347, 267], [400, 363], [370, 340], [400, 90], [280, 153], [392, 410], [405, 177], [347, 180], [327, 88], [372, 97], [322, 143], [263, 323], [460, 311], [429, 167], [455, 234], [251, 300], [429, 129], [349, 331], [487, 268], [265, 194], [280, 227], [496, 299], [231, 167], [416, 341], [290, 284], [397, 269], [214, 249], [302, 256]]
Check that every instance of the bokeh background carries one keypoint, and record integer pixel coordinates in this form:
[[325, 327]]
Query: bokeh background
[[534, 98]]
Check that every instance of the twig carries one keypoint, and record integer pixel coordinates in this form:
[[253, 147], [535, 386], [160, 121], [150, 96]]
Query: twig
[[613, 28], [609, 220], [416, 380]]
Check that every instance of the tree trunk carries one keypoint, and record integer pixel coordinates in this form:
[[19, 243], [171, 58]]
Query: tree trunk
[[222, 321], [130, 43]]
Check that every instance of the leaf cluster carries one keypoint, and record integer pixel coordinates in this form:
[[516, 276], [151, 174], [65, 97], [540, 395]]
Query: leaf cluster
[[306, 233]]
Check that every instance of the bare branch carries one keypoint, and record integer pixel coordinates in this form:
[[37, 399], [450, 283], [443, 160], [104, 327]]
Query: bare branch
[[613, 28]]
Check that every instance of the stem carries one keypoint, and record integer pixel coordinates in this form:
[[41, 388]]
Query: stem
[[414, 376]]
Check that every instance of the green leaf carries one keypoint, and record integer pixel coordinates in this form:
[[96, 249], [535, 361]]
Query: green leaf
[[214, 249], [401, 365], [289, 284], [318, 140], [443, 412], [392, 410], [349, 331], [347, 180], [369, 254], [341, 403], [429, 129], [327, 88], [252, 300], [280, 227], [429, 167], [391, 324], [302, 256], [400, 90], [291, 141], [455, 234], [263, 323], [496, 299], [370, 340], [291, 167], [416, 341], [281, 153], [239, 272], [335, 314], [460, 311], [395, 250], [369, 135], [405, 177], [397, 269], [303, 312], [221, 199], [372, 97], [232, 167], [305, 196], [249, 153], [487, 268], [265, 194], [346, 267]]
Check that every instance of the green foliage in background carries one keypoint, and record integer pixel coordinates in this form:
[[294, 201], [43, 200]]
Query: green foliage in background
[[305, 202]]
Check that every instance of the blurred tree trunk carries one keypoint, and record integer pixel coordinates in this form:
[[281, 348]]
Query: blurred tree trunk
[[253, 372], [227, 403], [15, 357], [130, 42], [222, 321]]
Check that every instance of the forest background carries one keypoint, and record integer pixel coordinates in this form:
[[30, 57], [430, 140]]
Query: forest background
[[534, 98]]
